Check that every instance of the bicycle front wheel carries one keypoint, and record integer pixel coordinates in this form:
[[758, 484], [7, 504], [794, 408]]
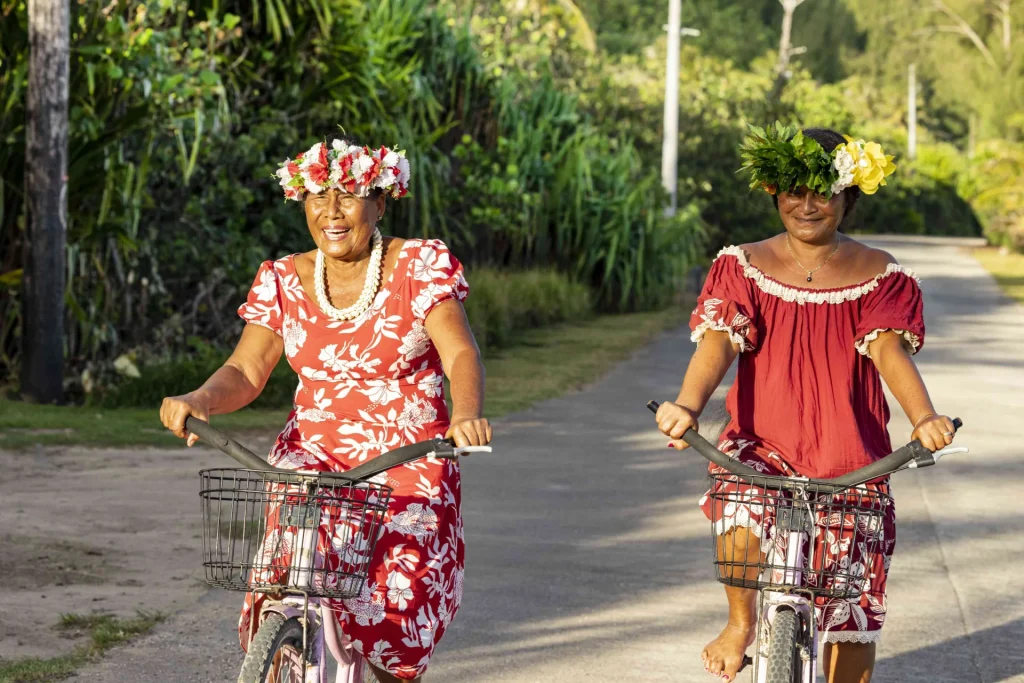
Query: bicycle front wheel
[[275, 654], [784, 665]]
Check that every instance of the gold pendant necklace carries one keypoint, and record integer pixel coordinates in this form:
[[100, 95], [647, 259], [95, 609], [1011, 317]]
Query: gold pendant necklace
[[811, 272]]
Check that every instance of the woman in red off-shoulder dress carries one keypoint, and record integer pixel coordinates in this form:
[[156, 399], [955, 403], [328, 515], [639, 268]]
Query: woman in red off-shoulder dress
[[818, 321]]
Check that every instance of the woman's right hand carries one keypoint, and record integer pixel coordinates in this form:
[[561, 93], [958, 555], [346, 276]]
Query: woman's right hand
[[673, 421], [175, 409]]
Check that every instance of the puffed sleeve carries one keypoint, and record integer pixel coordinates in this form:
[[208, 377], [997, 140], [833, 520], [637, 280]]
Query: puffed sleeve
[[437, 276], [727, 304], [263, 305], [895, 304]]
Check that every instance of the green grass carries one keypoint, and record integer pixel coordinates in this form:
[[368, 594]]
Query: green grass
[[23, 425], [542, 363], [103, 632], [549, 362], [1008, 270]]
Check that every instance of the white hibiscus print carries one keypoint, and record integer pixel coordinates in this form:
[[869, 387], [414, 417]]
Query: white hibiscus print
[[290, 287], [432, 385], [266, 288], [416, 412], [416, 520], [381, 392], [368, 608], [415, 343], [399, 589], [294, 337], [431, 264]]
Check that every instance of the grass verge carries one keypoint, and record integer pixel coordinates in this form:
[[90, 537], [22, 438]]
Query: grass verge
[[23, 425], [542, 363], [103, 631], [1007, 269]]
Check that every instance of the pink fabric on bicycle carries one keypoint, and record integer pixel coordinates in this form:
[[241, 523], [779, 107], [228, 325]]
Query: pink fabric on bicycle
[[366, 387], [807, 398], [802, 388]]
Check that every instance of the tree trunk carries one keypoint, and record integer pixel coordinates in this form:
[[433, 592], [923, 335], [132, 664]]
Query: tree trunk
[[46, 163], [786, 50], [911, 112]]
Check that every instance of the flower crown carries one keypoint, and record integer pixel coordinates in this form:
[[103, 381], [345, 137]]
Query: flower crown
[[351, 168], [780, 158]]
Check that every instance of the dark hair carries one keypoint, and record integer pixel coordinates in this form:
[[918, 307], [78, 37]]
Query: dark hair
[[829, 140]]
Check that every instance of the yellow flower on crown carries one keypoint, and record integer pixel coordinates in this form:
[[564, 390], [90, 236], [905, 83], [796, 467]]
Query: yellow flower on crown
[[871, 166]]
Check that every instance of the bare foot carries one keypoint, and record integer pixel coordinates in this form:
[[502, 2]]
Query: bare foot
[[724, 655]]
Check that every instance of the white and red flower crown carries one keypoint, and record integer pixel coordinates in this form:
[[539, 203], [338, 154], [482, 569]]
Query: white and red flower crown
[[350, 168]]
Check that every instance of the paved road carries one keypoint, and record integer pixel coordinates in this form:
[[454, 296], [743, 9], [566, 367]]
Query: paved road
[[588, 559]]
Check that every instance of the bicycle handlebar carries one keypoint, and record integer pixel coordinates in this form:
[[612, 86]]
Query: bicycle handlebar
[[439, 448], [887, 465]]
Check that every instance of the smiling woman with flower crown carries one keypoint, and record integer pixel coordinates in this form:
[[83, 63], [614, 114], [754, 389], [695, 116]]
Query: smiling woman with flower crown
[[818, 321], [371, 325]]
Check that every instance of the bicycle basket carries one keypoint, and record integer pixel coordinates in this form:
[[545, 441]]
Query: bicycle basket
[[272, 532], [819, 539]]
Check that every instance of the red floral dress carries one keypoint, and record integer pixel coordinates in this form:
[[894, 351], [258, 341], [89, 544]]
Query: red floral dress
[[365, 387], [808, 400]]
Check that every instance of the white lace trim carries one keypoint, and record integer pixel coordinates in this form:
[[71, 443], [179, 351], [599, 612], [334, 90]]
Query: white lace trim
[[912, 340], [850, 636], [738, 339], [811, 296]]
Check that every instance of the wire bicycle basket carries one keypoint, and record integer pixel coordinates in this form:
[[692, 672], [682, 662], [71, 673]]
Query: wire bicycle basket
[[278, 533], [809, 537]]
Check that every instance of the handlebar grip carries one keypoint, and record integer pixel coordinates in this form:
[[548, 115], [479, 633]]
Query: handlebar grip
[[227, 445], [715, 456], [440, 447]]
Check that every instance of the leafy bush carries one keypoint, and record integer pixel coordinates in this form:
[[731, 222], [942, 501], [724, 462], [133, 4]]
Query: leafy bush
[[182, 109], [500, 304]]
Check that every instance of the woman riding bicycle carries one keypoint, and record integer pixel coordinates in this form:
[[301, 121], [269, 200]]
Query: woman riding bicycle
[[818, 320], [371, 325]]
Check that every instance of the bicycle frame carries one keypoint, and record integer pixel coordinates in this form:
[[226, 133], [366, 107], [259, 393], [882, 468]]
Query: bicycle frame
[[351, 666], [801, 602], [798, 534]]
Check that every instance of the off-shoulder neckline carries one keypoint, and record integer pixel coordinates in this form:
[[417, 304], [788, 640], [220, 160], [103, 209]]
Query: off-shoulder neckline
[[804, 295]]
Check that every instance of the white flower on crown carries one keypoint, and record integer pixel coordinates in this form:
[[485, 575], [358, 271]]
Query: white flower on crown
[[844, 163], [403, 171], [311, 156], [284, 174], [360, 166], [387, 176], [347, 167]]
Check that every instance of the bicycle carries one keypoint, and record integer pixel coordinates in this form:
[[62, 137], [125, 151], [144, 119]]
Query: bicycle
[[264, 531], [790, 577]]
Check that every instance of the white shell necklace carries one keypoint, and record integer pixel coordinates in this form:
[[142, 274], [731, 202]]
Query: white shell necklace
[[373, 275]]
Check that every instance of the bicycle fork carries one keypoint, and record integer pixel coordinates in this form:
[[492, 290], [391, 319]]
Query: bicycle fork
[[803, 604]]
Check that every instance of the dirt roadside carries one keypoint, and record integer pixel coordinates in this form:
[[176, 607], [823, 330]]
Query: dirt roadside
[[97, 531]]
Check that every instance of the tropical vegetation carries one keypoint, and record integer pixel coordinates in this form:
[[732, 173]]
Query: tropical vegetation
[[534, 132]]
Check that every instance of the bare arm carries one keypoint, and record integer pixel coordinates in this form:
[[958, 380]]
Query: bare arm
[[897, 368], [708, 366], [449, 330], [234, 385]]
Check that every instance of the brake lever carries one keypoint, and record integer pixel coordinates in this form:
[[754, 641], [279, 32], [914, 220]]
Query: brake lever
[[930, 459], [446, 448]]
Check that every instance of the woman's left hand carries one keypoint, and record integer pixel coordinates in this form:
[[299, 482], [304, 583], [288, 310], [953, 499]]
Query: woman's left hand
[[934, 431], [469, 432]]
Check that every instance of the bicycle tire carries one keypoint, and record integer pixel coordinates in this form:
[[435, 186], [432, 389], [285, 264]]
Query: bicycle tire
[[783, 662], [274, 632]]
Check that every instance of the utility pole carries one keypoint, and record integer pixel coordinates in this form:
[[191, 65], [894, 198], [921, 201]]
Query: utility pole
[[670, 141], [911, 112], [46, 200]]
